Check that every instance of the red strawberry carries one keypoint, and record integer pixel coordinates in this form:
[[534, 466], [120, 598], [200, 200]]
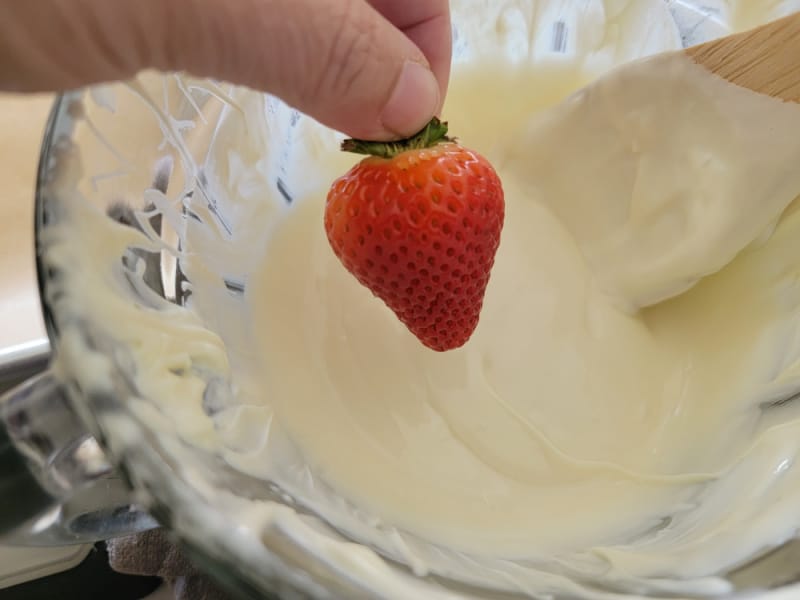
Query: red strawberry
[[418, 223]]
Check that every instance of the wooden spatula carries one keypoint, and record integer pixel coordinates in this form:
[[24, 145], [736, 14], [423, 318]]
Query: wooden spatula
[[765, 59]]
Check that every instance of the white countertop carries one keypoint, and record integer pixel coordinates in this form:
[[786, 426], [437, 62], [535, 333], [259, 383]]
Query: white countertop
[[22, 121]]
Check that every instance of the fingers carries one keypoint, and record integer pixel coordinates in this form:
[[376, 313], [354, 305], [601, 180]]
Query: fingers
[[427, 24], [58, 44], [341, 61]]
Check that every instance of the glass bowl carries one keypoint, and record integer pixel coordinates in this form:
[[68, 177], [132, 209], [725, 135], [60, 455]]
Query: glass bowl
[[151, 186]]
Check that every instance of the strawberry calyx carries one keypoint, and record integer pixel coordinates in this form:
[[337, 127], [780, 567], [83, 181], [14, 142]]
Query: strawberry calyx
[[435, 132]]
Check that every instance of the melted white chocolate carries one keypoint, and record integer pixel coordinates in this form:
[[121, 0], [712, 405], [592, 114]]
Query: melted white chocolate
[[623, 349]]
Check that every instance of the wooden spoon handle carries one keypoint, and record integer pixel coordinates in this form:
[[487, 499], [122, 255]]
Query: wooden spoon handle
[[765, 59]]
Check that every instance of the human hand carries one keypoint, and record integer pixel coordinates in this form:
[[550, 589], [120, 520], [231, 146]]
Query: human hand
[[374, 69]]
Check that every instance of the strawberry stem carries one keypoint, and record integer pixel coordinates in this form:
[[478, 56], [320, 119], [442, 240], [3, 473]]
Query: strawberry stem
[[435, 132]]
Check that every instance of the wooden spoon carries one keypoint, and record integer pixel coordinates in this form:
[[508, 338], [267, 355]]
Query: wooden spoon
[[765, 59]]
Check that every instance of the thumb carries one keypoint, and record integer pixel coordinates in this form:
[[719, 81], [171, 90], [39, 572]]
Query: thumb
[[340, 61]]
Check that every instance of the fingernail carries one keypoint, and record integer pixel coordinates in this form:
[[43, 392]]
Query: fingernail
[[413, 102]]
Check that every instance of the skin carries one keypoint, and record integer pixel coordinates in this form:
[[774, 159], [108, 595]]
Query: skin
[[374, 69]]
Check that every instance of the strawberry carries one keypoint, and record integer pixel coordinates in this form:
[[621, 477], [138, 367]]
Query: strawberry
[[418, 223]]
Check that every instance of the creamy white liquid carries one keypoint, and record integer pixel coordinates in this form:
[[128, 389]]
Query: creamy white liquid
[[624, 347], [603, 426]]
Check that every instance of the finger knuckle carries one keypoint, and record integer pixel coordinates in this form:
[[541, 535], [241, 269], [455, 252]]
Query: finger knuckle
[[351, 53]]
